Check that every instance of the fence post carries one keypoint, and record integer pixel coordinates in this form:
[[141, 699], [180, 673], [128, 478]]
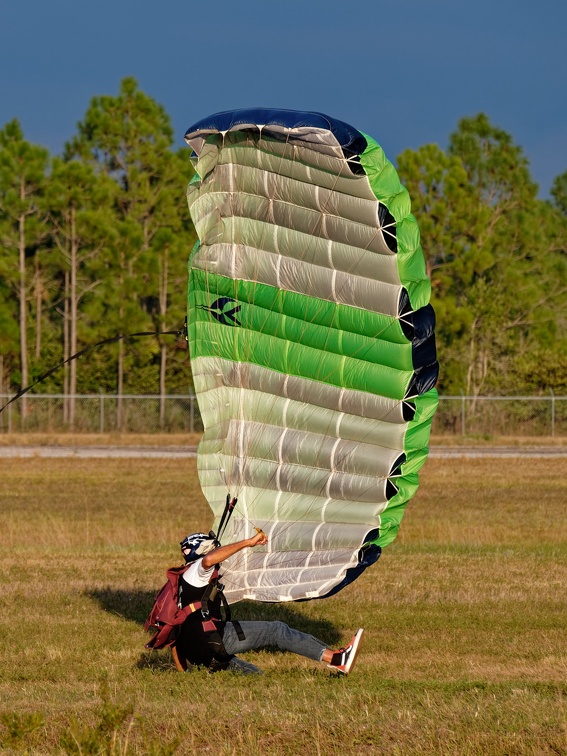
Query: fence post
[[552, 412], [463, 428], [101, 423], [192, 414], [9, 415]]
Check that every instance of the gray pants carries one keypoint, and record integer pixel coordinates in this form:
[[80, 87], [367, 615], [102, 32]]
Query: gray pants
[[261, 634]]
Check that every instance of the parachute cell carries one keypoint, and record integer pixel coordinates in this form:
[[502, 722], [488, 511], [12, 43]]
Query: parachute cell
[[312, 346]]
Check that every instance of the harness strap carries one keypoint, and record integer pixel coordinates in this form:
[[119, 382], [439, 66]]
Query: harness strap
[[210, 593], [214, 638]]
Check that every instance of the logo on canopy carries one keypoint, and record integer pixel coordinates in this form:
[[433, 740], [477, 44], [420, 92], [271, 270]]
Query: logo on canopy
[[223, 311]]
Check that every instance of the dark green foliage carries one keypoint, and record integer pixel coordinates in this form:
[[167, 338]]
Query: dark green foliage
[[559, 193], [128, 139], [496, 257], [107, 736], [17, 728], [111, 257], [110, 736], [23, 234], [95, 244]]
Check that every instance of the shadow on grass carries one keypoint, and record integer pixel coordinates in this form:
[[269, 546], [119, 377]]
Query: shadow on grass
[[135, 606], [320, 628]]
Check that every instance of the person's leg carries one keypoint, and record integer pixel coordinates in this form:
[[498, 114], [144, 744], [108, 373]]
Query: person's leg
[[278, 634], [243, 667]]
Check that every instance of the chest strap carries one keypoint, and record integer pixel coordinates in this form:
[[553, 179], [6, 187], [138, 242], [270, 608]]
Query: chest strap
[[213, 590]]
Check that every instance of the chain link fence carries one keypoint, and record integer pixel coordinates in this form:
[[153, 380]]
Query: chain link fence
[[105, 413], [102, 413], [501, 416]]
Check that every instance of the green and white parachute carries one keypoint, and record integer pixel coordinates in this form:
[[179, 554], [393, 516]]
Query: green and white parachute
[[312, 346]]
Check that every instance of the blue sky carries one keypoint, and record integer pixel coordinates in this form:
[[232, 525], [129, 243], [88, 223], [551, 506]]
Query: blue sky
[[404, 71]]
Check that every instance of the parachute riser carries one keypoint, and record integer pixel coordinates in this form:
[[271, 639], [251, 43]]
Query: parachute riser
[[226, 515]]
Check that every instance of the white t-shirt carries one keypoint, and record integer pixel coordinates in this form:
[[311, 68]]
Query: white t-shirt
[[197, 575]]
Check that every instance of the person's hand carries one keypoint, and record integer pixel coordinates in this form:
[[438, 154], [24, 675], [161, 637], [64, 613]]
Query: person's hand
[[260, 539]]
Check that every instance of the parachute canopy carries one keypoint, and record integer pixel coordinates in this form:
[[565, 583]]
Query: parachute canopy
[[312, 346]]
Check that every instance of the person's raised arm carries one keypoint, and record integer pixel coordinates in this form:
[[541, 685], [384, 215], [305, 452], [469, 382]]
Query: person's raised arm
[[224, 552]]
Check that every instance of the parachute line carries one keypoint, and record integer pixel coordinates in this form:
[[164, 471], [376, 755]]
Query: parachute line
[[86, 350]]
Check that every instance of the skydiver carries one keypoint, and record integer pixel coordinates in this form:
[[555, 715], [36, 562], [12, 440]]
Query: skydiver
[[217, 649]]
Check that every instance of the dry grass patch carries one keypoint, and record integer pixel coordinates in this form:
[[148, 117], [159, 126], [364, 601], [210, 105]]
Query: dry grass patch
[[192, 439], [487, 441], [99, 439], [465, 650]]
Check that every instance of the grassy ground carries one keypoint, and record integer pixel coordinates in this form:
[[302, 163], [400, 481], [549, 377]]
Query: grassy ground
[[99, 439], [466, 645], [489, 441], [192, 439]]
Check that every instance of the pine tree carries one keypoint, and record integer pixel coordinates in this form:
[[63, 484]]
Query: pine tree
[[128, 137], [23, 228], [80, 213], [497, 278]]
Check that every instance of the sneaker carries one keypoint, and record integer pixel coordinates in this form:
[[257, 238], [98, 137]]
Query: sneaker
[[243, 667], [344, 658]]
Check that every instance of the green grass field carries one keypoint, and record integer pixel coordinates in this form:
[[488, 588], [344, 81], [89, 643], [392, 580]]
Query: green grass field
[[465, 617]]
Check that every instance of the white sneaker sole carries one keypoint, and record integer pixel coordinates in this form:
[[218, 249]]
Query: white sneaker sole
[[354, 652]]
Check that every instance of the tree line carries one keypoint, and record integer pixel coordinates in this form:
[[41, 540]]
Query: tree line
[[94, 243], [497, 259]]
